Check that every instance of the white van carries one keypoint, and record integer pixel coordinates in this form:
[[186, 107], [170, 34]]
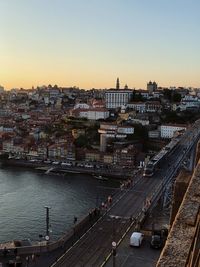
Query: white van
[[136, 239]]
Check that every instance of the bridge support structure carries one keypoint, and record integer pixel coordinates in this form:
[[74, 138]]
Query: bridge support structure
[[167, 197], [190, 161]]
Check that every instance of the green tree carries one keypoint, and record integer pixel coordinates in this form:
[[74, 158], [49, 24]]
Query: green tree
[[82, 141], [176, 97]]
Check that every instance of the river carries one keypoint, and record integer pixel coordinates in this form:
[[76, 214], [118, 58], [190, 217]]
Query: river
[[24, 193]]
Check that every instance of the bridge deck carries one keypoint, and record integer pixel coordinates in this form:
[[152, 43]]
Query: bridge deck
[[95, 246]]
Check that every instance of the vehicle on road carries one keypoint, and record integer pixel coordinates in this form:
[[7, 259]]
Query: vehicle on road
[[156, 162], [156, 241], [136, 239], [158, 238]]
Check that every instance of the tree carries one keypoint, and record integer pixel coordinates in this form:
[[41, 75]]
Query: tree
[[167, 94], [82, 141], [176, 97]]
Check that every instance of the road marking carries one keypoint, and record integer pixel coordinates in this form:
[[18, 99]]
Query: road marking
[[123, 264]]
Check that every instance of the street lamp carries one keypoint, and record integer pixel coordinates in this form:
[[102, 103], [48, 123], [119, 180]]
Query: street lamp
[[114, 246], [47, 223]]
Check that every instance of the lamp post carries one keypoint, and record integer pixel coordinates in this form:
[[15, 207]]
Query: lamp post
[[47, 223], [114, 246]]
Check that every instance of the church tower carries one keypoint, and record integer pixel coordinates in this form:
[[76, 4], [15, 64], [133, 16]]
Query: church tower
[[117, 84]]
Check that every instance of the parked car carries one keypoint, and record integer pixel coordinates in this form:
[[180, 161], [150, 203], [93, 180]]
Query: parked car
[[47, 161], [156, 241], [32, 160], [80, 165], [55, 162], [158, 238], [87, 165], [66, 164], [136, 239]]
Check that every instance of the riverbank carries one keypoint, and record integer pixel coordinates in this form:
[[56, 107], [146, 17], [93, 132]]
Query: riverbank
[[112, 172]]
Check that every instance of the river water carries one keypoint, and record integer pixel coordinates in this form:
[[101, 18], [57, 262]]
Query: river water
[[24, 193]]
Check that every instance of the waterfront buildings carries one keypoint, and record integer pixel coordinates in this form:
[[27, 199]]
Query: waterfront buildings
[[112, 130]]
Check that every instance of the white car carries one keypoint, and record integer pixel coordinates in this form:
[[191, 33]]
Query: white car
[[32, 160], [55, 162], [47, 161], [66, 164], [136, 239], [80, 165], [89, 166]]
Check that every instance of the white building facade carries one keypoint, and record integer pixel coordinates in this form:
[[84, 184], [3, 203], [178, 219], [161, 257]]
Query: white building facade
[[117, 98], [168, 130], [137, 106]]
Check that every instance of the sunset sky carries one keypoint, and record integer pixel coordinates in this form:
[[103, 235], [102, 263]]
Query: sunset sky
[[89, 43]]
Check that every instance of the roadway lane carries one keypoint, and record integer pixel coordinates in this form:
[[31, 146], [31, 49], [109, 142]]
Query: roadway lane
[[93, 248]]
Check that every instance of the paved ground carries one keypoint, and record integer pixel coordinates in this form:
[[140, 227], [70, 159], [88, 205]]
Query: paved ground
[[138, 257], [135, 257]]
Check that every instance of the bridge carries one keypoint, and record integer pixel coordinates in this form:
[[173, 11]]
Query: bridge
[[94, 247]]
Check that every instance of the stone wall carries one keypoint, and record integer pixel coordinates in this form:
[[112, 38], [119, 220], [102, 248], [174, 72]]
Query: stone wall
[[182, 246]]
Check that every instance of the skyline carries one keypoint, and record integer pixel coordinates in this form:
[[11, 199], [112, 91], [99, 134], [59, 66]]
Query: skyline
[[90, 44]]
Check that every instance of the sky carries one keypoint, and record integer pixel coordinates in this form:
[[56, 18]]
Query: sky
[[89, 43]]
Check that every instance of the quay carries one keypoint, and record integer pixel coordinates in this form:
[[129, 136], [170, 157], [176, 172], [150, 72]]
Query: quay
[[105, 171]]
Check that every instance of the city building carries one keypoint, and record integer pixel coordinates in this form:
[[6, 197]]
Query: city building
[[153, 106], [111, 130], [137, 106], [116, 98], [154, 134], [91, 113], [125, 156], [189, 102], [152, 87], [169, 130], [92, 155], [1, 89]]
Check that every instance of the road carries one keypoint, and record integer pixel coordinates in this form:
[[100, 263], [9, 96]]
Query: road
[[93, 248], [128, 256]]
